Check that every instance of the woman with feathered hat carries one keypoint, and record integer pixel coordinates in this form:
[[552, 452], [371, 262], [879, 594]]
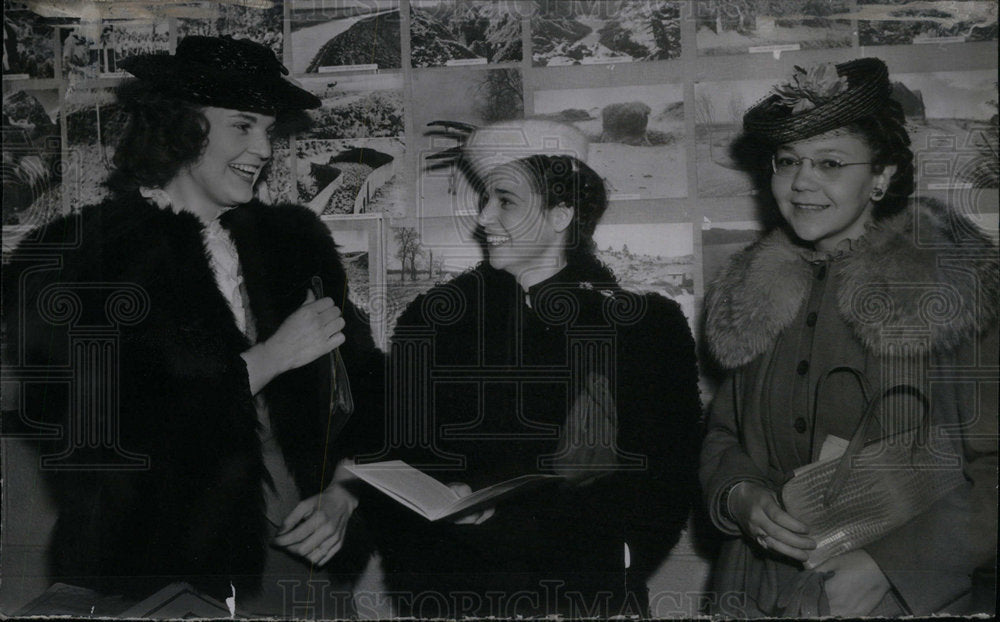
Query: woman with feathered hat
[[220, 405], [861, 285], [537, 360]]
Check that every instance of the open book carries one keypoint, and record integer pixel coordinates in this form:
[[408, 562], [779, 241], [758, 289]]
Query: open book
[[430, 498]]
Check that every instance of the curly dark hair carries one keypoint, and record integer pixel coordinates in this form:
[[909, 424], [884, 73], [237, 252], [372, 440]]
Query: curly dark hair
[[566, 180], [164, 133], [885, 134]]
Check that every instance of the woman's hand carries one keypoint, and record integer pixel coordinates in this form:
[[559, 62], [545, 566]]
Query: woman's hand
[[315, 529], [762, 519], [857, 585], [474, 518], [314, 329]]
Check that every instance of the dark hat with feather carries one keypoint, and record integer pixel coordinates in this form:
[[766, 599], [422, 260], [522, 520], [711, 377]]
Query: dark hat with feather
[[224, 72], [821, 99]]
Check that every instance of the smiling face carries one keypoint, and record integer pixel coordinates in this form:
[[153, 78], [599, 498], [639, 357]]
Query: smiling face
[[523, 237], [823, 210], [238, 146]]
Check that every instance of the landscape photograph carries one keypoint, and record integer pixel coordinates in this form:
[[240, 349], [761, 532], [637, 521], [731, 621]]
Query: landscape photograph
[[575, 33], [477, 97], [953, 125], [422, 254], [356, 106], [93, 118], [28, 44], [32, 152], [651, 257], [332, 34], [460, 32], [719, 108], [350, 177], [742, 26], [635, 132], [905, 22], [240, 20]]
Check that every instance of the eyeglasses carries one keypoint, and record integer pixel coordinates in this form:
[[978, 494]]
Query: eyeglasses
[[827, 169]]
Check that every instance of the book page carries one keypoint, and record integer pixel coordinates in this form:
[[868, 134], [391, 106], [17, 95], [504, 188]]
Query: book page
[[411, 487]]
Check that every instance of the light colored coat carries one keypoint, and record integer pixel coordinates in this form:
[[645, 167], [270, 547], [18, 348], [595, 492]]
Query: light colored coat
[[925, 280]]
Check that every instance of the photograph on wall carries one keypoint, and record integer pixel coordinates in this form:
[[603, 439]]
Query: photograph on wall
[[423, 254], [32, 152], [476, 97], [636, 135], [719, 240], [86, 56], [93, 119], [350, 177], [752, 26], [353, 246], [953, 125], [338, 35], [358, 106], [275, 184], [582, 33], [464, 32], [28, 44], [718, 110], [259, 21], [651, 257], [920, 21]]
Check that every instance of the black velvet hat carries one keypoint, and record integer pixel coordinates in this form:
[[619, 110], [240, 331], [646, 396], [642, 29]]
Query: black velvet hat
[[223, 72], [819, 100]]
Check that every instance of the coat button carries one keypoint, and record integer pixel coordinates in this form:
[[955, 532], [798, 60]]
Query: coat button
[[803, 368], [800, 425], [811, 319]]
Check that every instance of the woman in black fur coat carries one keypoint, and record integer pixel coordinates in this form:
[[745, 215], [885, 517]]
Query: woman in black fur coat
[[194, 446], [538, 361]]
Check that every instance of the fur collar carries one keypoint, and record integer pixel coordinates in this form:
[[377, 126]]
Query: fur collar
[[926, 268]]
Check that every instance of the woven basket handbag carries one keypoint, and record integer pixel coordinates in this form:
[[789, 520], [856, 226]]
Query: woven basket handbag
[[871, 489]]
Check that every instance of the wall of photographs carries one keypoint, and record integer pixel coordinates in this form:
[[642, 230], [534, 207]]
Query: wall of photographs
[[681, 202]]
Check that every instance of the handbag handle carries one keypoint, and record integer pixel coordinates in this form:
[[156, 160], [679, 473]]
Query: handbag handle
[[840, 474]]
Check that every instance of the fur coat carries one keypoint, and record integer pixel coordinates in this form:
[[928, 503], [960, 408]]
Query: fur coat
[[507, 378], [122, 294], [918, 293]]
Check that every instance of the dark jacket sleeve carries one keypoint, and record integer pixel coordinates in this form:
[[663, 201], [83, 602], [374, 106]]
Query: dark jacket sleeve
[[930, 560], [661, 421], [125, 525]]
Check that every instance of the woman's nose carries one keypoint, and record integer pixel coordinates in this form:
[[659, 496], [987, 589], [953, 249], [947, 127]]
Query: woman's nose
[[805, 176], [261, 146], [487, 213]]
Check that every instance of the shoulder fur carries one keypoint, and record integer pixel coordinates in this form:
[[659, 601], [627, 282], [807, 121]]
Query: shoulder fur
[[927, 270]]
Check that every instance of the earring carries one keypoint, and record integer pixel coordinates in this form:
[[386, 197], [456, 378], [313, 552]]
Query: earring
[[877, 193]]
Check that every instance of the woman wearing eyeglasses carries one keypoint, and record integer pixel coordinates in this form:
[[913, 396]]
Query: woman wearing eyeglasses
[[859, 275]]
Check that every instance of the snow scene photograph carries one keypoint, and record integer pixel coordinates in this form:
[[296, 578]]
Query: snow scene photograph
[[925, 21], [742, 26], [718, 109], [241, 20], [357, 106], [350, 177], [93, 117], [28, 46], [463, 32], [574, 33], [951, 117], [651, 257], [32, 148], [331, 34], [635, 135]]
